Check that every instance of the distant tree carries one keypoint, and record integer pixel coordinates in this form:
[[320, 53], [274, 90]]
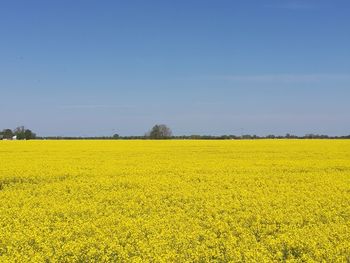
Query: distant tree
[[160, 131], [7, 133], [29, 135], [246, 136], [23, 134], [312, 136], [19, 132], [116, 136], [291, 136]]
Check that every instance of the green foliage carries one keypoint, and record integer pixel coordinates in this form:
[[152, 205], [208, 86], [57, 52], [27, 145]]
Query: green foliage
[[20, 132], [160, 131], [7, 134]]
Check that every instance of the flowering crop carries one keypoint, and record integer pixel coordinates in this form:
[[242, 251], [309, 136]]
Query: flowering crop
[[175, 201]]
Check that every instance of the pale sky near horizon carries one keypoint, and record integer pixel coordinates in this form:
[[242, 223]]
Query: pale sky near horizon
[[86, 68]]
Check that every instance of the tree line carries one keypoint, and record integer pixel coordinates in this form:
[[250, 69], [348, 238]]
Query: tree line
[[19, 133], [158, 132]]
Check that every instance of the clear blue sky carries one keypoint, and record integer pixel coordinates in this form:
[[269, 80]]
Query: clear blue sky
[[200, 66]]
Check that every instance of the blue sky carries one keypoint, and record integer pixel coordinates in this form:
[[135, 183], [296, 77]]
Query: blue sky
[[202, 67]]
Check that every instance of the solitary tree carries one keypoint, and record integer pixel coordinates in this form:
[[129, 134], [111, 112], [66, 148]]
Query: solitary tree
[[7, 133], [29, 135], [160, 131], [19, 132]]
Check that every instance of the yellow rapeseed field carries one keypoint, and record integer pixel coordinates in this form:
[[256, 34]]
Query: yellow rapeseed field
[[175, 201]]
